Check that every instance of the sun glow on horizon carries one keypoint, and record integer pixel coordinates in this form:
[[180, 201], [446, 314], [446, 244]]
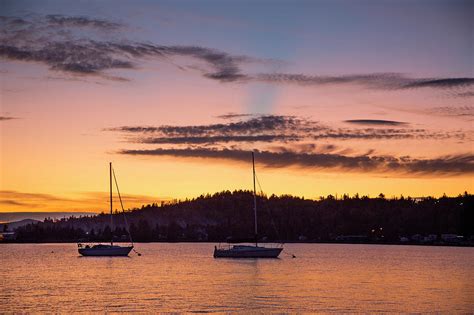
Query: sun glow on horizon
[[363, 106]]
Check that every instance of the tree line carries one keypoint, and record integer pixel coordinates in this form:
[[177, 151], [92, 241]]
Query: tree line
[[229, 215]]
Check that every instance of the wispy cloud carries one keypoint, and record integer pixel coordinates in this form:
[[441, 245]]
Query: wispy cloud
[[80, 45], [445, 165], [466, 94], [377, 80], [382, 81], [11, 200], [440, 83], [226, 66], [217, 139], [457, 111], [51, 40], [290, 141], [81, 21], [272, 128], [251, 126], [78, 57], [234, 116], [3, 118], [38, 198]]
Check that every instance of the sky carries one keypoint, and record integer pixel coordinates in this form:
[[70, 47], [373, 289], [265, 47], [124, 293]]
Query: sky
[[334, 97]]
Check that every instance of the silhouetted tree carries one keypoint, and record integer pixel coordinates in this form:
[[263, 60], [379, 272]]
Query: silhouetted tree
[[230, 214]]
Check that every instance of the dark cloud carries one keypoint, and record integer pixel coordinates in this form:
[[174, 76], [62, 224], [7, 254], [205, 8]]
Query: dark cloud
[[82, 58], [92, 57], [447, 165], [258, 125], [375, 122], [71, 44], [377, 80], [234, 116], [3, 118], [218, 139], [440, 83], [80, 21], [12, 20], [291, 141], [383, 81], [377, 134], [13, 203], [226, 66], [57, 41], [272, 128]]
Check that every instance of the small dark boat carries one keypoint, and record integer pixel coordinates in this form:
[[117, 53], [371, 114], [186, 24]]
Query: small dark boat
[[104, 250], [107, 250], [248, 251]]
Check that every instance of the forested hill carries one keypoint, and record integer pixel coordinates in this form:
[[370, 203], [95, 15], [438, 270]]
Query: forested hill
[[285, 218]]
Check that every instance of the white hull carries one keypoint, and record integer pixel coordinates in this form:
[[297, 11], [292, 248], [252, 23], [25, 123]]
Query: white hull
[[246, 251], [249, 251], [105, 251]]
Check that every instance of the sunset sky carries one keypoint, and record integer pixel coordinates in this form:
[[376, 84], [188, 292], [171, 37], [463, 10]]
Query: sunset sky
[[335, 97]]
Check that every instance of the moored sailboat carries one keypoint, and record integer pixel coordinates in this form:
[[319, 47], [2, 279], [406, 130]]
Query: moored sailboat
[[248, 251], [107, 249]]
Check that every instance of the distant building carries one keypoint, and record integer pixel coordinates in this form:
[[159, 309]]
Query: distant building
[[452, 238]]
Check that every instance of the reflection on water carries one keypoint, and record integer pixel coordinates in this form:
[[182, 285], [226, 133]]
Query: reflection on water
[[185, 277]]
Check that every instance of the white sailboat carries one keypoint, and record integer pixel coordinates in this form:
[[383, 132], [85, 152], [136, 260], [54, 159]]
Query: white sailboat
[[248, 251], [106, 249]]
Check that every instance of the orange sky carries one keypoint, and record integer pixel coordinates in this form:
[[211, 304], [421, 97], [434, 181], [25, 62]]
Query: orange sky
[[55, 143]]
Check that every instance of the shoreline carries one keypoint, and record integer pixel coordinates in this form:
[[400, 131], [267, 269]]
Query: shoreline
[[466, 244]]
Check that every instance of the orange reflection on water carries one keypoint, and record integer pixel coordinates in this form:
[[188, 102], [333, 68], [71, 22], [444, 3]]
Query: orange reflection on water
[[185, 277]]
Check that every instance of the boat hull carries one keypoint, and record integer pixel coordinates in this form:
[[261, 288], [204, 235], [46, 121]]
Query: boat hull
[[106, 251], [247, 252]]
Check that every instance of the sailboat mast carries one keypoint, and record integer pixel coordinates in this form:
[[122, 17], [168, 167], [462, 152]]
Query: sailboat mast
[[254, 200], [111, 206]]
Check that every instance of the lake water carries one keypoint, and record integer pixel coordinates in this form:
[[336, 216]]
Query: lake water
[[184, 277]]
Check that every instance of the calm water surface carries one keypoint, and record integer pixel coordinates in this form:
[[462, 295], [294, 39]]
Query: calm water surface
[[185, 277]]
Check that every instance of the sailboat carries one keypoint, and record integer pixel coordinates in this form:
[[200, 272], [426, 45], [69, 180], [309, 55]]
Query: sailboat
[[248, 251], [106, 249]]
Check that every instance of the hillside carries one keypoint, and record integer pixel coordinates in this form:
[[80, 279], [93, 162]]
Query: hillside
[[11, 226], [280, 218]]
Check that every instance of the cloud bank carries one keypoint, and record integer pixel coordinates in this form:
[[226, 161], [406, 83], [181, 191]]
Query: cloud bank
[[55, 41], [445, 165], [83, 45], [291, 141], [271, 128]]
